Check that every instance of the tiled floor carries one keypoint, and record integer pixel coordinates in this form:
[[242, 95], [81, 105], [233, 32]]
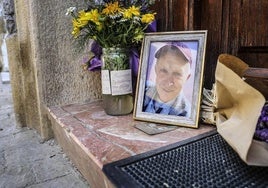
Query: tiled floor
[[104, 139], [26, 160]]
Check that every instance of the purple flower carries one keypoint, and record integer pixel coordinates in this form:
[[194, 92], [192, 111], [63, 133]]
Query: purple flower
[[261, 132]]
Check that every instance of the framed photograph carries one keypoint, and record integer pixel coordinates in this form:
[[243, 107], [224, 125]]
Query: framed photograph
[[169, 84]]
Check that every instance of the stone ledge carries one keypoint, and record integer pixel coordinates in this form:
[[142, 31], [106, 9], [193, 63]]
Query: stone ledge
[[91, 138]]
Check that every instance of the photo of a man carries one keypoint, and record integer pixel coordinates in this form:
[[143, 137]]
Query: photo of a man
[[172, 69]]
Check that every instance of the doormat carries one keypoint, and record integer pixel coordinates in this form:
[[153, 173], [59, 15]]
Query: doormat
[[203, 161]]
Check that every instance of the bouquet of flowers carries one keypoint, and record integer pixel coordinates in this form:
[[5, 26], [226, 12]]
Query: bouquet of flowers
[[112, 23]]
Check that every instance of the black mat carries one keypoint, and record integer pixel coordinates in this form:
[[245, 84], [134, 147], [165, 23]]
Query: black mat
[[203, 161]]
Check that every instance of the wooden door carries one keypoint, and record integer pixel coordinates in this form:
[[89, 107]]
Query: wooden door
[[236, 27]]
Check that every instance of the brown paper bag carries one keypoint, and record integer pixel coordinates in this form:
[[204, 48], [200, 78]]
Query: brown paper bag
[[238, 108]]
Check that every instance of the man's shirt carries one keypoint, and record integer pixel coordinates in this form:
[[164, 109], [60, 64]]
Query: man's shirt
[[179, 106]]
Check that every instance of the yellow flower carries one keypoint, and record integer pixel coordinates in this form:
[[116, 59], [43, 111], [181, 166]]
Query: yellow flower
[[128, 13], [147, 18], [78, 23], [115, 23], [93, 16], [111, 8], [82, 14], [76, 32]]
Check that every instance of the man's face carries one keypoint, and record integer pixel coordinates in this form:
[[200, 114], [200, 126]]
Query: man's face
[[171, 73]]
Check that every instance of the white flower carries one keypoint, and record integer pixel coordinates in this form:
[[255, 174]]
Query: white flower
[[99, 2], [70, 11]]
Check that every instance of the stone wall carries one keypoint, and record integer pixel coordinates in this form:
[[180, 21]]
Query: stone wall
[[46, 71]]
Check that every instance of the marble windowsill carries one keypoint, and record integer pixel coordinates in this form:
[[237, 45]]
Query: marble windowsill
[[103, 139]]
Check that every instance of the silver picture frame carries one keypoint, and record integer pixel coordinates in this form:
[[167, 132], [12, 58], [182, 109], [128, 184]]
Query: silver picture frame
[[195, 41]]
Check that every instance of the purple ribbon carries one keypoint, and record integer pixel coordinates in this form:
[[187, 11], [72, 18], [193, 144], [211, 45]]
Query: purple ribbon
[[95, 64], [152, 27], [134, 59], [96, 49]]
